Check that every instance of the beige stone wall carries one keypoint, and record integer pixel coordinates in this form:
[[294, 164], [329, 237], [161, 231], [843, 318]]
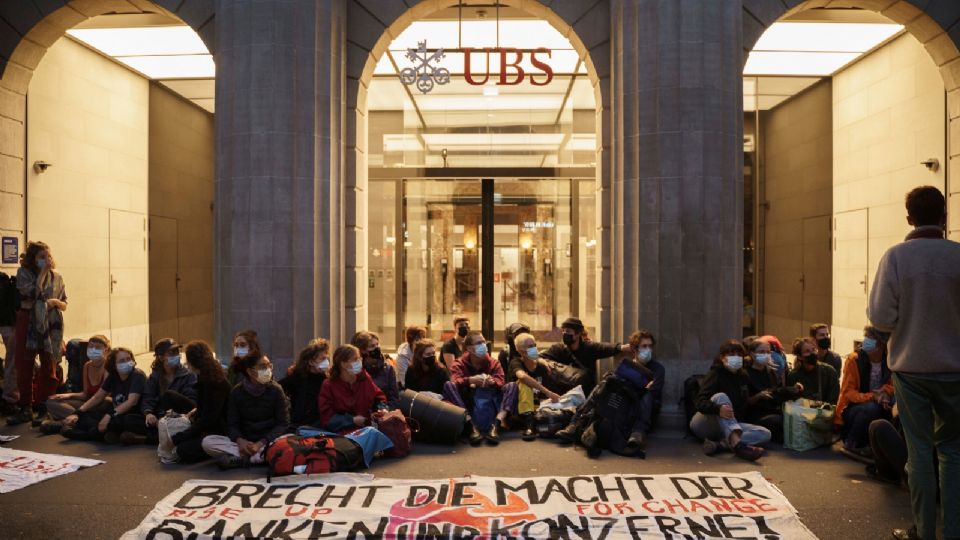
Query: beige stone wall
[[797, 142], [889, 115], [181, 163], [88, 117]]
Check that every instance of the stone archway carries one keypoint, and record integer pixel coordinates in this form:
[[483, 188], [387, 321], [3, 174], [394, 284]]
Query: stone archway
[[932, 25], [371, 28]]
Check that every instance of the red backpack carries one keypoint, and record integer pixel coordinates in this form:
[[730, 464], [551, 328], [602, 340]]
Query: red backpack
[[394, 425], [301, 455]]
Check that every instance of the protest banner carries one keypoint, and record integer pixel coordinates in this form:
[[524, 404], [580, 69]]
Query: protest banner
[[355, 506], [19, 468]]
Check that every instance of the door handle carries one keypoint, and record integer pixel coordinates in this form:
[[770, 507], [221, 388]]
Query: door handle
[[113, 282]]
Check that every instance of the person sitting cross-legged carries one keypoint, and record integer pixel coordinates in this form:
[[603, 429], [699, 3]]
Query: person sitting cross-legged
[[529, 371], [867, 393], [100, 419], [349, 396], [767, 392], [722, 399]]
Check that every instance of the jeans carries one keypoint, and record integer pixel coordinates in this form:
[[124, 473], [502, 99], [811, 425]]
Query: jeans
[[856, 421], [715, 428], [508, 397], [221, 445], [930, 415]]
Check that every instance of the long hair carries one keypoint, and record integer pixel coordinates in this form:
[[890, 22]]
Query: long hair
[[200, 356], [112, 360], [28, 259], [314, 348], [416, 361], [342, 355]]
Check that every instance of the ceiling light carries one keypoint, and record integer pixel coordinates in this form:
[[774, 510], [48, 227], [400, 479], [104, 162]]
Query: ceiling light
[[148, 41], [825, 36], [195, 66], [797, 63]]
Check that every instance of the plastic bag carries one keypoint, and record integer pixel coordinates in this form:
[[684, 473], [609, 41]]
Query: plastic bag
[[807, 424], [571, 400], [168, 426]]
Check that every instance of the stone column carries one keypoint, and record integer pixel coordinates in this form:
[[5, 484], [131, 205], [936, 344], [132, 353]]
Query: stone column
[[678, 196], [280, 125]]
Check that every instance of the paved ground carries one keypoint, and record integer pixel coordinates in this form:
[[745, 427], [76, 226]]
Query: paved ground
[[834, 497]]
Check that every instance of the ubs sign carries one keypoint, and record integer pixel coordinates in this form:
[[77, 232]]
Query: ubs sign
[[426, 73]]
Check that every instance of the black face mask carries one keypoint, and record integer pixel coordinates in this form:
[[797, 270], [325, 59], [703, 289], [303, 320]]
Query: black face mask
[[823, 343], [463, 331], [810, 360], [429, 360], [568, 339]]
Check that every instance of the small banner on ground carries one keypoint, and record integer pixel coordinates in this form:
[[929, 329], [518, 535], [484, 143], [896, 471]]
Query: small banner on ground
[[19, 469], [355, 506]]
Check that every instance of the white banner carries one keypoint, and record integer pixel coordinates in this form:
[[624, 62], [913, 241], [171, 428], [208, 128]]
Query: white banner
[[354, 506], [19, 468]]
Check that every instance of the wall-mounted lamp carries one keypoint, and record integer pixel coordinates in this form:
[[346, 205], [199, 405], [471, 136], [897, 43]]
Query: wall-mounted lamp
[[932, 164], [41, 166]]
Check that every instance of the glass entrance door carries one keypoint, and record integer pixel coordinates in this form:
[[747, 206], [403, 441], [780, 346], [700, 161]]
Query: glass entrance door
[[529, 231]]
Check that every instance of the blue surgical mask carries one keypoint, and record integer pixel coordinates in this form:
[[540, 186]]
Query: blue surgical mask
[[762, 358], [734, 363], [645, 355], [173, 361], [94, 353], [356, 367], [480, 349], [124, 368], [41, 263], [241, 352], [869, 345], [532, 352]]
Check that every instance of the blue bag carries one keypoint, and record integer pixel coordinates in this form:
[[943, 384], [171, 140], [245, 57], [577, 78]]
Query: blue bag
[[486, 403]]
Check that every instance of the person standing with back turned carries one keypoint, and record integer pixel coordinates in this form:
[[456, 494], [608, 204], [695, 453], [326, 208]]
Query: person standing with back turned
[[916, 297]]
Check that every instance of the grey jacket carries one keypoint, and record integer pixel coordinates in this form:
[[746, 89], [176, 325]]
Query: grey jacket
[[916, 297]]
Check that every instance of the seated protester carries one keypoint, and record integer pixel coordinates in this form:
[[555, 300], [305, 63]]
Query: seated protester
[[528, 371], [171, 386], [412, 335], [820, 332], [452, 349], [778, 356], [60, 406], [125, 385], [349, 396], [642, 345], [381, 373], [723, 399], [889, 448], [303, 381], [510, 352], [426, 373], [767, 393], [867, 393], [577, 350], [210, 415], [257, 413], [474, 371], [819, 380], [245, 343]]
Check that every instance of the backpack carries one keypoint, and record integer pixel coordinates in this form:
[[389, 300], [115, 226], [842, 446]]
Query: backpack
[[9, 300], [394, 426], [691, 389], [301, 455], [76, 357], [616, 414], [549, 421], [486, 404]]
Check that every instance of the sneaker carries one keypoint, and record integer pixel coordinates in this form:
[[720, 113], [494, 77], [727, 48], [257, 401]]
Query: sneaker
[[111, 437], [529, 430], [24, 415], [748, 452], [129, 438], [710, 448], [51, 427], [232, 462]]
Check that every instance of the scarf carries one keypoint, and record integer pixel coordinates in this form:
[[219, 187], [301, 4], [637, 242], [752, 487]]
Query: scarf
[[252, 388]]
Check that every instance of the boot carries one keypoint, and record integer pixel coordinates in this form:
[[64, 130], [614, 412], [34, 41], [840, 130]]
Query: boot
[[475, 436], [493, 436], [129, 438], [529, 431], [51, 427], [232, 462], [574, 429], [23, 416]]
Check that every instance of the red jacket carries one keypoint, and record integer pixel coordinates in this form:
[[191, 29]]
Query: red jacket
[[462, 369], [341, 398]]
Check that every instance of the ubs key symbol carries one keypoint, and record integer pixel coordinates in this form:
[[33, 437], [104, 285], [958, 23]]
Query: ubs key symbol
[[424, 74]]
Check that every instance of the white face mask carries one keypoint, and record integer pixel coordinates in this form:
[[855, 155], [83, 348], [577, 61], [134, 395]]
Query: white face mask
[[322, 365], [264, 375], [734, 363], [173, 361], [241, 352], [94, 353], [124, 368], [645, 355], [762, 358], [356, 367]]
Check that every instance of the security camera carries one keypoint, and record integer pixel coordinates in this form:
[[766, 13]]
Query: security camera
[[932, 164], [41, 166]]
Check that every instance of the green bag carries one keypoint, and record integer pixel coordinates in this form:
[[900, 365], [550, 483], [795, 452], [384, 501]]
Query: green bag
[[807, 424]]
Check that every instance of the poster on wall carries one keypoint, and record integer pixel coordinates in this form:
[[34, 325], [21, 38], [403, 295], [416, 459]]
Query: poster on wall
[[10, 247], [698, 505]]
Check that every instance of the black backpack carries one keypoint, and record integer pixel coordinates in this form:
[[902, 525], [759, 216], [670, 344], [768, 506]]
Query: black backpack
[[617, 411], [76, 356], [691, 389], [9, 300]]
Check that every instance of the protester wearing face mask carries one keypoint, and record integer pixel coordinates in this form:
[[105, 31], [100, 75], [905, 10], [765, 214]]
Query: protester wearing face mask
[[820, 332], [60, 406], [529, 372], [210, 415], [767, 393], [819, 380], [867, 393], [124, 385], [476, 370], [171, 386], [257, 413], [577, 350], [245, 343], [303, 381], [348, 397], [380, 371], [453, 347], [426, 373], [723, 398]]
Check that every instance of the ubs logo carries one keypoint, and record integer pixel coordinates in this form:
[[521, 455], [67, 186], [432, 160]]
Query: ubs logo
[[426, 71]]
